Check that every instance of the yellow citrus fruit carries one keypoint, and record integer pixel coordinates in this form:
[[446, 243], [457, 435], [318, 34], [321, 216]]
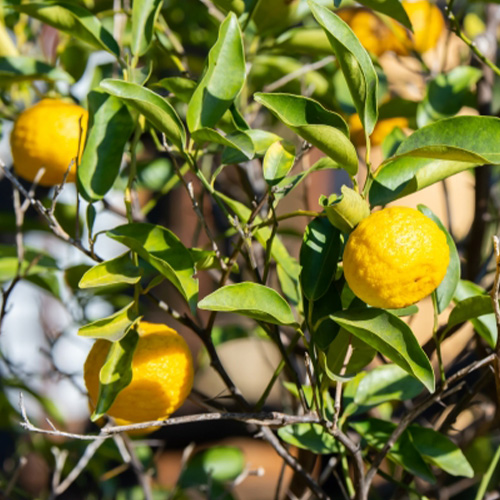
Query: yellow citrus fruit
[[371, 31], [395, 257], [428, 25], [382, 129], [47, 135], [162, 375]]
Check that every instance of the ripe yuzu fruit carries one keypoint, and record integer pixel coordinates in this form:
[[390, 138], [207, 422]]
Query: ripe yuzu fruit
[[162, 375], [395, 257], [47, 135]]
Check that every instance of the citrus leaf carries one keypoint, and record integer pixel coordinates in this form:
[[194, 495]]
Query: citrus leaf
[[438, 450], [155, 108], [392, 337], [250, 299], [238, 140], [362, 355], [355, 63], [323, 329], [220, 463], [319, 255], [312, 41], [74, 20], [144, 15], [112, 328], [261, 140], [181, 87], [23, 68], [377, 432], [486, 324], [478, 307], [116, 372], [406, 175], [386, 383], [223, 80], [472, 139], [278, 161], [392, 8], [34, 262], [446, 94], [112, 272], [324, 129], [110, 126], [312, 437], [161, 248], [446, 290]]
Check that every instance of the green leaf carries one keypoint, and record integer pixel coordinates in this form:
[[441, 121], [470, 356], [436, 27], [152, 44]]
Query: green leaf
[[48, 282], [181, 87], [223, 79], [324, 129], [239, 141], [438, 450], [485, 325], [354, 62], [312, 41], [23, 68], [478, 307], [161, 248], [110, 126], [112, 272], [472, 139], [377, 432], [144, 15], [392, 8], [446, 94], [446, 290], [392, 337], [323, 329], [250, 299], [386, 383], [405, 175], [312, 437], [114, 327], [362, 354], [220, 463], [261, 140], [116, 372], [156, 109], [319, 255], [278, 161], [34, 262], [74, 20]]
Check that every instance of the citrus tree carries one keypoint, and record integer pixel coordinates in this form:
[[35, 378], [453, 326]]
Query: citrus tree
[[237, 106]]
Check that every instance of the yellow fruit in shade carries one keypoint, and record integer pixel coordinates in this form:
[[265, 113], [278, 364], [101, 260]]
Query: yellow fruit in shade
[[382, 129], [48, 135], [371, 31], [428, 25], [395, 257], [162, 375]]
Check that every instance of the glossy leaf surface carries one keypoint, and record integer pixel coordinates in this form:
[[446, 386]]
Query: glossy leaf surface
[[323, 128], [354, 62], [110, 126], [250, 299], [74, 20], [161, 248], [155, 108], [392, 337], [223, 79]]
